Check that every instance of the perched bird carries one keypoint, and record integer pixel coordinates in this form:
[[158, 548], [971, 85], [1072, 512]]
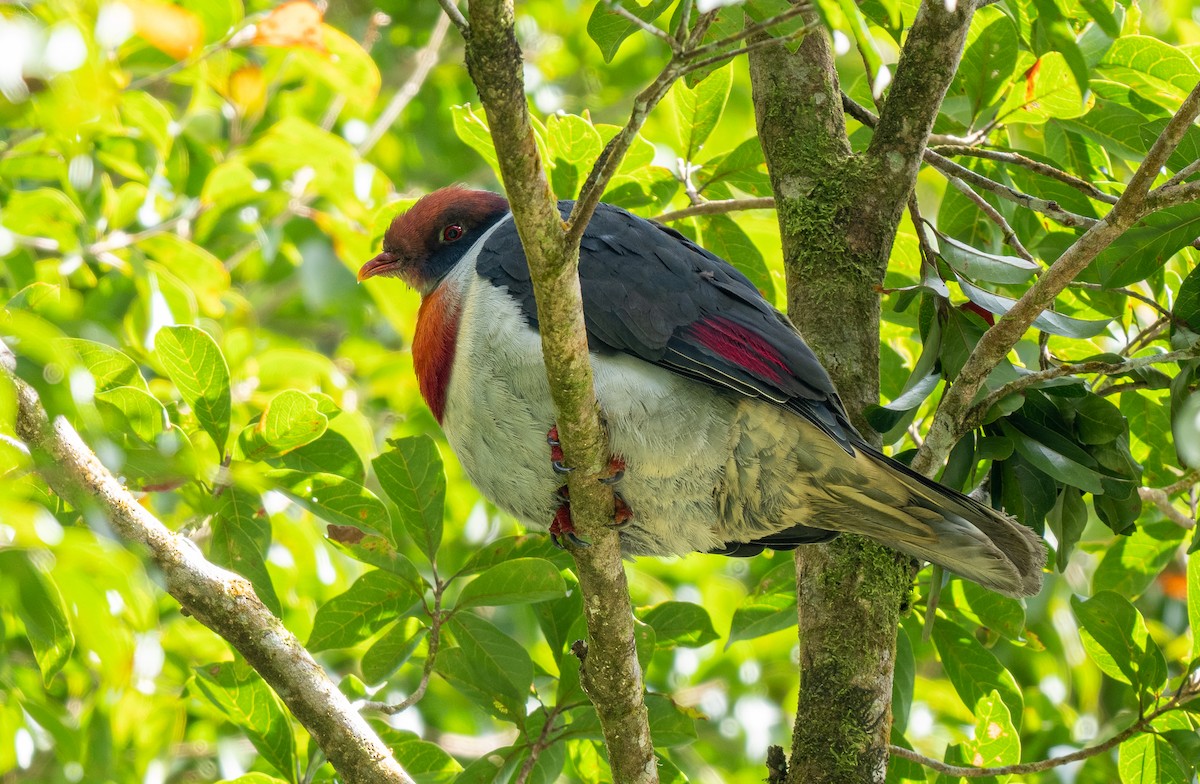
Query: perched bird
[[729, 432]]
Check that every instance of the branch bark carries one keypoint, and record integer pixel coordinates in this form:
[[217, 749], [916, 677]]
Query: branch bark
[[610, 673], [221, 600], [948, 422], [838, 215]]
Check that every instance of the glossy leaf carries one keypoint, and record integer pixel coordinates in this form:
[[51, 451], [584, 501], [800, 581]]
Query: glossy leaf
[[193, 361], [1115, 637], [249, 703], [375, 599], [974, 671], [519, 581], [412, 477], [680, 624]]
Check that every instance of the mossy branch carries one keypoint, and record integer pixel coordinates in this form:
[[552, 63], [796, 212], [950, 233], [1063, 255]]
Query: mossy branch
[[610, 673], [221, 600]]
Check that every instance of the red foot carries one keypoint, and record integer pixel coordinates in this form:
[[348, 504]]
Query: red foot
[[562, 527]]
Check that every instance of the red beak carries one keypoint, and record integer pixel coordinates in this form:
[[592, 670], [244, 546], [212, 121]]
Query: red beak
[[383, 263]]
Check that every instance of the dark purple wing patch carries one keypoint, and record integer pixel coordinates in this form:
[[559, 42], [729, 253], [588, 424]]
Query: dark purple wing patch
[[740, 347]]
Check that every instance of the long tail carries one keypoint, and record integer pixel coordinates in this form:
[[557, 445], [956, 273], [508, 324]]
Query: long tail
[[920, 517]]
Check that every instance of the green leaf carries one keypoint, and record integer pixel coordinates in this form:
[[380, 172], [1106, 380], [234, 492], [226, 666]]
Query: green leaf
[[672, 725], [903, 681], [329, 454], [996, 741], [698, 110], [376, 551], [426, 762], [988, 608], [1151, 759], [1067, 520], [290, 420], [1154, 69], [333, 499], [1186, 313], [40, 607], [1048, 90], [143, 414], [1047, 320], [109, 367], [375, 599], [241, 694], [1193, 603], [391, 651], [1131, 565], [724, 237], [1113, 126], [609, 29], [241, 534], [1115, 637], [1049, 459], [743, 168], [412, 476], [1145, 248], [1057, 30], [1186, 429], [193, 361], [1097, 421], [1102, 12], [977, 265], [988, 60], [519, 581], [497, 663], [472, 129], [760, 616], [973, 670], [680, 624]]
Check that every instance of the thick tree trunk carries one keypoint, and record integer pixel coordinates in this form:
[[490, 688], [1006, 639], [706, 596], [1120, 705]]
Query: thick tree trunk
[[838, 214]]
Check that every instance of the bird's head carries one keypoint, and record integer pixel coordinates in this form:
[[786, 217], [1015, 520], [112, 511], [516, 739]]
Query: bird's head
[[424, 243]]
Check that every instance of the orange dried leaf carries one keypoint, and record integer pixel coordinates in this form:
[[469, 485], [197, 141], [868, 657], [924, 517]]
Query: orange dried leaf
[[173, 30], [295, 23], [247, 88]]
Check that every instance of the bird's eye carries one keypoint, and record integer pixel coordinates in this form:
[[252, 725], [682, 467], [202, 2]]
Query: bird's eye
[[452, 232]]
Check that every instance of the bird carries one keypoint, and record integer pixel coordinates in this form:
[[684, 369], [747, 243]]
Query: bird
[[728, 435]]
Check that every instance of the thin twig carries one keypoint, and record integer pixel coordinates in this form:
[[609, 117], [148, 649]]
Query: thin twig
[[437, 617], [1186, 482], [1161, 500], [460, 21], [423, 63], [1163, 311], [950, 169], [1037, 167], [1185, 693], [1050, 209], [1183, 174], [615, 7], [118, 240], [717, 207], [542, 743], [1010, 237], [977, 412]]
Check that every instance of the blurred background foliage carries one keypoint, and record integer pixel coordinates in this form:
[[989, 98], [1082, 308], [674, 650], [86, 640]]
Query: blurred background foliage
[[186, 190]]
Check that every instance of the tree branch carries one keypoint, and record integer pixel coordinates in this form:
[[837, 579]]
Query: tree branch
[[978, 412], [1037, 167], [1010, 236], [717, 207], [1161, 500], [1185, 693], [610, 675], [423, 63], [926, 67], [221, 600], [947, 426]]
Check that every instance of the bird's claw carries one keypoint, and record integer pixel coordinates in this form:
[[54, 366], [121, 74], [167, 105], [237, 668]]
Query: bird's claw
[[559, 468]]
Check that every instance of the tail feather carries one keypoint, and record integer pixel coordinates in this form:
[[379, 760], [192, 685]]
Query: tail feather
[[918, 516]]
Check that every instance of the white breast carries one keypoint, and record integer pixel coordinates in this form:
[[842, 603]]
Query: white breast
[[674, 433]]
